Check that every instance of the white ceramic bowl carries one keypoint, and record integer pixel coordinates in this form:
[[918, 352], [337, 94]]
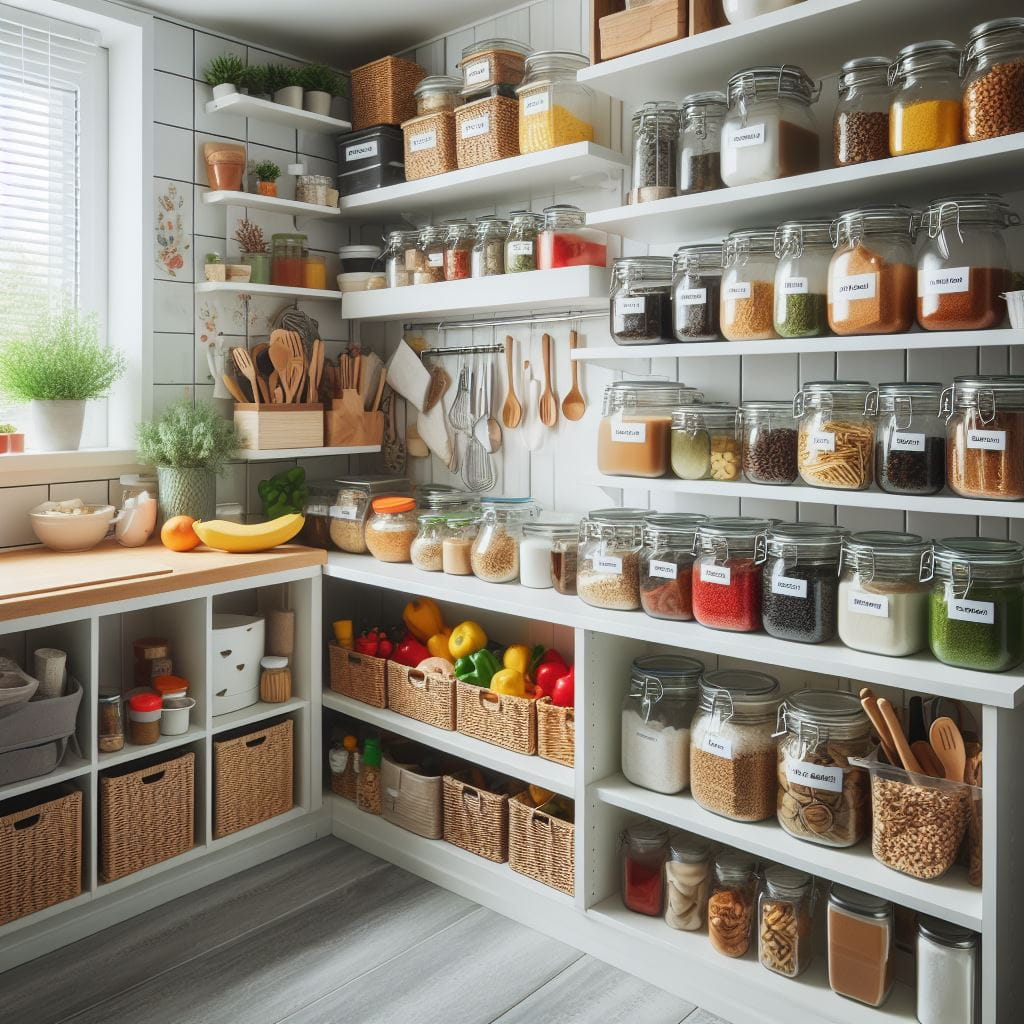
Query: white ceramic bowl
[[355, 281], [1015, 305], [743, 10], [69, 532]]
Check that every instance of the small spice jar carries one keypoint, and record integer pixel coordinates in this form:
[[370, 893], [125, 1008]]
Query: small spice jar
[[287, 255], [430, 264], [644, 846], [727, 573], [458, 246], [144, 710], [488, 254], [656, 715], [696, 292], [836, 434], [457, 544], [494, 555], [705, 445], [555, 109], [748, 285], [640, 305], [608, 558], [883, 592], [666, 565], [992, 69], [687, 881], [391, 529], [926, 110], [804, 250], [860, 126], [425, 552], [521, 242], [785, 913], [800, 582], [700, 144], [535, 550], [822, 798], [732, 747], [656, 130], [563, 563], [910, 437], [768, 437], [350, 507], [731, 904], [110, 727], [396, 268], [861, 945], [947, 969], [566, 241], [976, 606]]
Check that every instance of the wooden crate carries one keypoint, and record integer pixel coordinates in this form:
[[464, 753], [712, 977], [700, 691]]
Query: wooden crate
[[687, 17], [266, 427]]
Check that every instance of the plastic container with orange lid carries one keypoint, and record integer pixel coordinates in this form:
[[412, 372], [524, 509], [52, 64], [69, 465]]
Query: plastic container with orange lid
[[144, 710], [391, 528], [170, 686]]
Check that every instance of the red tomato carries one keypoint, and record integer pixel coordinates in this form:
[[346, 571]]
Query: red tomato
[[564, 693], [546, 674]]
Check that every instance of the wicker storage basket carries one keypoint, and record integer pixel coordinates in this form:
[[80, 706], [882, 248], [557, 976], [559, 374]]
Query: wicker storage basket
[[476, 820], [486, 130], [424, 696], [412, 800], [382, 92], [540, 846], [40, 855], [430, 145], [509, 722], [556, 732], [146, 815], [359, 676], [252, 777]]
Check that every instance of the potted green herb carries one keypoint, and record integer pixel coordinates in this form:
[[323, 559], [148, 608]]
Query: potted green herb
[[284, 85], [267, 173], [320, 84], [57, 366], [224, 73], [254, 81], [11, 440], [252, 245], [189, 445]]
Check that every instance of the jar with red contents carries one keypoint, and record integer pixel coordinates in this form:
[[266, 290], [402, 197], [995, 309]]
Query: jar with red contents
[[287, 259], [458, 250], [644, 852], [727, 573], [566, 241], [666, 565]]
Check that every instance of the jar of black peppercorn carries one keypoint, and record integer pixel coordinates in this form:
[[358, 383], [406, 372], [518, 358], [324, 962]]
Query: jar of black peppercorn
[[700, 145], [860, 127], [696, 292], [641, 300], [655, 152], [768, 436], [910, 438]]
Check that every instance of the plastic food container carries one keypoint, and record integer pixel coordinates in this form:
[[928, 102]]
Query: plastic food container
[[491, 62], [358, 257], [666, 565], [993, 79], [727, 573], [175, 717], [608, 558], [486, 130], [836, 441], [372, 158], [860, 126], [144, 711], [861, 945], [926, 109], [748, 285], [554, 109], [910, 437], [350, 507], [696, 292], [565, 241], [640, 304], [429, 142]]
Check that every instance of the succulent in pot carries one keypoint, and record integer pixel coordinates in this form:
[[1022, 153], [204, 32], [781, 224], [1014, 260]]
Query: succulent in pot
[[11, 439], [252, 244], [284, 83], [321, 84], [267, 173], [225, 73]]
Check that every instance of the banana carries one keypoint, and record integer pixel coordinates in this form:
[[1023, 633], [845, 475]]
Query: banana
[[241, 538]]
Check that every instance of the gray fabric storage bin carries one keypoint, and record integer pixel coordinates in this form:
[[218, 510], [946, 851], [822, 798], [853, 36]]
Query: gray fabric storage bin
[[35, 738], [412, 800]]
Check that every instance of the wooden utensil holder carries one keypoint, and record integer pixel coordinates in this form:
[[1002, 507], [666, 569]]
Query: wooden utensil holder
[[266, 427], [347, 423]]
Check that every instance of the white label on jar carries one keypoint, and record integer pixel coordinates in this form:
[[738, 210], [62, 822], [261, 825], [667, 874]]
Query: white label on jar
[[629, 433], [435, 259], [737, 291], [823, 441], [855, 286], [608, 563], [343, 512], [868, 604], [815, 776], [752, 135], [360, 151], [477, 72], [971, 611], [692, 297], [902, 442], [625, 306], [943, 282], [987, 440], [663, 570], [795, 286], [787, 586], [476, 126], [721, 574], [520, 248], [647, 737], [425, 140], [717, 745], [536, 104]]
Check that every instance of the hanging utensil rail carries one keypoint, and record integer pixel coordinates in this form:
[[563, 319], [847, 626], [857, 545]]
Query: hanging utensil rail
[[467, 350], [539, 318]]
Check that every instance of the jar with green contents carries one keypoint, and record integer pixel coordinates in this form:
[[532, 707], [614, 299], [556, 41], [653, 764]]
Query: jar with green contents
[[705, 443], [521, 243], [976, 607], [804, 249]]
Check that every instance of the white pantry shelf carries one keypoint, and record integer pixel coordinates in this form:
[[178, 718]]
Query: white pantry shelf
[[132, 752], [258, 712], [273, 454], [70, 768], [278, 291], [277, 113], [271, 204]]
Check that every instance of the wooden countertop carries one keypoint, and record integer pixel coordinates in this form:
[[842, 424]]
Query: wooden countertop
[[37, 581]]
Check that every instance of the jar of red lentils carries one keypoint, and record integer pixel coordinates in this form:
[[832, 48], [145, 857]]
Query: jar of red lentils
[[727, 573]]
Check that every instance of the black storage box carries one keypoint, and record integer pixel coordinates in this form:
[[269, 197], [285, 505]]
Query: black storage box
[[370, 159]]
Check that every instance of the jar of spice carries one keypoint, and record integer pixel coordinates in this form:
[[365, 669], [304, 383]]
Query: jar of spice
[[822, 798], [563, 563], [872, 276], [926, 111], [705, 444], [963, 268], [144, 710], [666, 565], [947, 967], [640, 303], [696, 292], [769, 130], [861, 945], [800, 582], [539, 539], [836, 434], [430, 265], [785, 911], [566, 241], [985, 437], [521, 243], [687, 881], [350, 507], [288, 250], [732, 749], [700, 145], [391, 529], [656, 715], [731, 905], [554, 108], [748, 285], [110, 728], [804, 250], [608, 558], [457, 544], [910, 437], [977, 604], [992, 69], [644, 846], [488, 255], [396, 268], [458, 245], [494, 555], [656, 130], [727, 573], [768, 437], [860, 125], [883, 592], [425, 552]]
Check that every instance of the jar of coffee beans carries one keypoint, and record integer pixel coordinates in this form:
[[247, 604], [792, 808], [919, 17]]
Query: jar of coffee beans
[[769, 439], [641, 300], [656, 129], [696, 292], [860, 127]]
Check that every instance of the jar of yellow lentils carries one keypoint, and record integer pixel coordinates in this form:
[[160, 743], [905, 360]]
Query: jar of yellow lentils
[[926, 111], [554, 109]]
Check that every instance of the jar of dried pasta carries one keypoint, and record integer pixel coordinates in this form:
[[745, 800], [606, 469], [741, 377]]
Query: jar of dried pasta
[[608, 558], [554, 108], [836, 434], [748, 285], [785, 915], [731, 904]]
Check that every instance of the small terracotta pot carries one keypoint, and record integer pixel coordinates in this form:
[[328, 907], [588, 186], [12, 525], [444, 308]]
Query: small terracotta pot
[[225, 165], [266, 188], [5, 443], [16, 442]]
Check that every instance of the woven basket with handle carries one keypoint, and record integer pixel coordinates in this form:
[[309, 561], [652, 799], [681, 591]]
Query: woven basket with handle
[[556, 732], [252, 777], [476, 820], [540, 846], [359, 676], [421, 695], [505, 721], [382, 92]]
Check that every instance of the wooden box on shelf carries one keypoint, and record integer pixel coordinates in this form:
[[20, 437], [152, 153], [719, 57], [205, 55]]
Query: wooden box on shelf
[[475, 819], [424, 696], [266, 427], [501, 719], [556, 732], [359, 676], [541, 846], [346, 423], [614, 31]]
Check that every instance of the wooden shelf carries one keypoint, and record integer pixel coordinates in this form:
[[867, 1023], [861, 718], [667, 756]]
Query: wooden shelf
[[277, 113], [277, 291], [271, 204]]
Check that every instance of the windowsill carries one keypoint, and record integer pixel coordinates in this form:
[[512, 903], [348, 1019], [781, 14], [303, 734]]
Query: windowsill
[[23, 468]]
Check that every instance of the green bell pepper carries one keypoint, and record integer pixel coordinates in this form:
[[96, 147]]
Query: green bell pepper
[[477, 669]]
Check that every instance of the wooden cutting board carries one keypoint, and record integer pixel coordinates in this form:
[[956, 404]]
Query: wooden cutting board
[[71, 570]]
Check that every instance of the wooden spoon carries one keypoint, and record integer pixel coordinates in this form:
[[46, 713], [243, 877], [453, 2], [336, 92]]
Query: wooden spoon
[[948, 744], [574, 405], [316, 369], [548, 400], [247, 370], [926, 758], [870, 706], [511, 411], [232, 386], [440, 382], [279, 353], [899, 740]]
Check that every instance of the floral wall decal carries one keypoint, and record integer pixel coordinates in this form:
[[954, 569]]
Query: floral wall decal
[[173, 233]]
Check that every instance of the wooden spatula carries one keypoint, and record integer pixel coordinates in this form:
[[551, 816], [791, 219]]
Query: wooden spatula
[[870, 706], [232, 385], [574, 405], [548, 400], [512, 411], [948, 744]]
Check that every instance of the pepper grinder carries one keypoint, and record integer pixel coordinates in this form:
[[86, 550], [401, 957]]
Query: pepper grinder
[[275, 680]]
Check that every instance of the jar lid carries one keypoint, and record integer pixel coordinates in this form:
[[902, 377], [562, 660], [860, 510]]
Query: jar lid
[[813, 541], [987, 392], [661, 111], [712, 98], [969, 208], [689, 849], [289, 236], [613, 516], [439, 501], [989, 35], [371, 751], [784, 880], [866, 64], [643, 268], [563, 215], [488, 45], [491, 226], [145, 702], [273, 661], [824, 710], [700, 417], [401, 235], [838, 392], [885, 218], [740, 686], [647, 835], [629, 395], [945, 933], [432, 233], [963, 559], [793, 236], [524, 217], [785, 408], [541, 61], [437, 85], [677, 526], [859, 902], [353, 252], [392, 505], [772, 80], [697, 257], [654, 675], [928, 54], [551, 528], [373, 483], [734, 864], [748, 240], [874, 553], [109, 698], [170, 684], [734, 527]]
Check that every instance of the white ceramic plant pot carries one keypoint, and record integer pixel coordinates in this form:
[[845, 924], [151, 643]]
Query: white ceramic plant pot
[[57, 425], [289, 96], [317, 102], [224, 89]]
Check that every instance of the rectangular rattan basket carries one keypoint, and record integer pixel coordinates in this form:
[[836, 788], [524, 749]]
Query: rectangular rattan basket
[[359, 676], [424, 696], [540, 846], [382, 92], [476, 820], [556, 732], [505, 721]]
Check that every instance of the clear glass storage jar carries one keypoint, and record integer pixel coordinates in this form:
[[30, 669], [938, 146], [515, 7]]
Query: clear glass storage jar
[[700, 144], [458, 247], [656, 714], [963, 267], [494, 555], [705, 443], [748, 285], [687, 881], [976, 608], [488, 254], [785, 913], [437, 92], [992, 71], [910, 437], [457, 544], [836, 434], [696, 292], [539, 540], [732, 749], [656, 132], [666, 565], [492, 62], [860, 125], [608, 558], [287, 253], [350, 507], [926, 109], [731, 904], [402, 250], [861, 945], [947, 972], [521, 242], [564, 562], [110, 723], [426, 550], [429, 266], [769, 130], [872, 275], [883, 592], [804, 250], [391, 529], [566, 241], [644, 846], [554, 108], [768, 437], [727, 573], [640, 304]]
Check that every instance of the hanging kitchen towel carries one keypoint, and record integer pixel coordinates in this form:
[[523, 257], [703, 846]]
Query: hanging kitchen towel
[[433, 430], [408, 376]]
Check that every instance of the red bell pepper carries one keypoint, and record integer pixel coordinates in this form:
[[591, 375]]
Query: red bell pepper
[[410, 652], [367, 643], [564, 693], [551, 668], [385, 648]]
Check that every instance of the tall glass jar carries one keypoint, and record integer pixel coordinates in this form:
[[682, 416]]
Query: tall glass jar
[[883, 592], [640, 304], [391, 529], [696, 292], [910, 437], [976, 606], [727, 573], [521, 243], [554, 108], [608, 558], [700, 146], [926, 110], [768, 437], [396, 263], [666, 565], [705, 444], [458, 247], [495, 552], [947, 972], [488, 254], [732, 749], [992, 69], [748, 285], [963, 268], [836, 434], [288, 250], [656, 131], [430, 263], [644, 846], [656, 715], [687, 881], [769, 130], [860, 126], [861, 945], [731, 905], [804, 250], [539, 540], [457, 544], [566, 241], [785, 911], [872, 279]]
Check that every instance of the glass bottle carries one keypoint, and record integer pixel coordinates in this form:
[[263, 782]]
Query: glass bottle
[[804, 250], [608, 558], [748, 285], [566, 241], [727, 573], [640, 303], [521, 243], [785, 911], [992, 69], [769, 439], [947, 969], [429, 266], [656, 131], [696, 292], [555, 109], [644, 846], [700, 144], [926, 109], [488, 255], [666, 565], [861, 945], [836, 434], [458, 245], [705, 445], [910, 437], [860, 126], [731, 904], [687, 881]]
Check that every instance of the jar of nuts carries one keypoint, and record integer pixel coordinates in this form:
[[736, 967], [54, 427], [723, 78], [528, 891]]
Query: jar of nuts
[[608, 558], [785, 912], [731, 905], [705, 443], [391, 529]]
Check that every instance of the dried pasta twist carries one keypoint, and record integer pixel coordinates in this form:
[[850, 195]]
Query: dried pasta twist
[[848, 465]]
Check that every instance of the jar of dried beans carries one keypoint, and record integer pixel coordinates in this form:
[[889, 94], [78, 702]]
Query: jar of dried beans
[[804, 249], [458, 245], [687, 881], [696, 292], [822, 797], [429, 264], [993, 78], [860, 126], [640, 304], [644, 846], [925, 112], [566, 241], [555, 109], [495, 552], [748, 285], [488, 255], [666, 565], [391, 529], [731, 904], [705, 445], [910, 437], [768, 437], [656, 129], [521, 242], [963, 267], [727, 573], [785, 914], [700, 145], [872, 276], [608, 558], [732, 748], [401, 257], [836, 435]]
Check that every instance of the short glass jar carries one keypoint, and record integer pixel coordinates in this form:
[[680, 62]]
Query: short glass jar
[[768, 437], [696, 292], [555, 109], [391, 529], [861, 945], [656, 131], [287, 252], [488, 255], [640, 303], [437, 92], [705, 443], [608, 558], [836, 434], [458, 248], [992, 70], [400, 245], [785, 911], [350, 507], [687, 881], [910, 437], [926, 110], [521, 243], [947, 972], [656, 715], [976, 606], [566, 241], [804, 250], [748, 285], [666, 565], [494, 555], [644, 846], [860, 125], [563, 563], [700, 144], [429, 267], [539, 539], [457, 544], [732, 749], [731, 904], [426, 550], [883, 592], [727, 573]]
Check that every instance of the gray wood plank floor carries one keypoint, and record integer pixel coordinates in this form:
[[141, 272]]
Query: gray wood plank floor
[[324, 934]]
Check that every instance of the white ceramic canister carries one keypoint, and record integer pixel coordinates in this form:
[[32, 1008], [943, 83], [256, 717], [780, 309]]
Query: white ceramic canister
[[176, 713]]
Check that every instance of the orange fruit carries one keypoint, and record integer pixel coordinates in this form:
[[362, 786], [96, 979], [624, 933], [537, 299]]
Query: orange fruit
[[178, 535]]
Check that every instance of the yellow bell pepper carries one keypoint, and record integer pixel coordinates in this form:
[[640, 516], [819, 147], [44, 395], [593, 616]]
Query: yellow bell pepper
[[518, 657], [423, 618], [467, 638], [438, 645], [509, 681]]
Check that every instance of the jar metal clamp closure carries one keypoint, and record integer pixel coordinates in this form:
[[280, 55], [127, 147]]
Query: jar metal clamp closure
[[864, 563], [720, 548], [746, 87]]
